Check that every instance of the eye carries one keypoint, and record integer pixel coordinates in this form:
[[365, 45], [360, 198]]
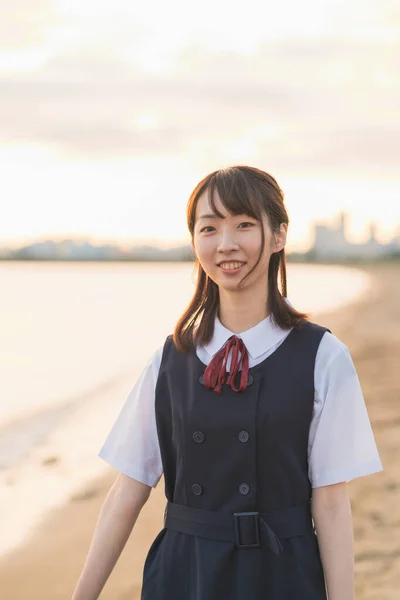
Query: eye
[[243, 223], [247, 223]]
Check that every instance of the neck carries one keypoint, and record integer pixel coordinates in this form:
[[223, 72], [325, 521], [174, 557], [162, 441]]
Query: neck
[[240, 312]]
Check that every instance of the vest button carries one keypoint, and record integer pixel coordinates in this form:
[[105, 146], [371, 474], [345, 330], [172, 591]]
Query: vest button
[[198, 437], [244, 489], [197, 489], [244, 436]]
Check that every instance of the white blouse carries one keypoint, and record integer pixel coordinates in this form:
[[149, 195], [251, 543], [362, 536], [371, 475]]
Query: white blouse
[[341, 444]]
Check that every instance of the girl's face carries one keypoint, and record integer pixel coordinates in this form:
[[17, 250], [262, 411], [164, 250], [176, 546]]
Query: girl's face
[[228, 248]]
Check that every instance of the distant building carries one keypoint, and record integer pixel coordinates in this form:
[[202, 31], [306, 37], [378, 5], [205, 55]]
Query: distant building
[[331, 242], [83, 250], [65, 250]]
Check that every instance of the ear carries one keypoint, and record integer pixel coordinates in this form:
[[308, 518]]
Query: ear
[[280, 237]]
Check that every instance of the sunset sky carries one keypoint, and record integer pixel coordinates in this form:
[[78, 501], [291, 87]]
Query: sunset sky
[[110, 113]]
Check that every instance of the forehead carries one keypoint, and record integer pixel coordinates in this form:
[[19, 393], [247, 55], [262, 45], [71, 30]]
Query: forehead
[[204, 204]]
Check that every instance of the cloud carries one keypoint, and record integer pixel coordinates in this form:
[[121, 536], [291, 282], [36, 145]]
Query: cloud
[[363, 148], [328, 101]]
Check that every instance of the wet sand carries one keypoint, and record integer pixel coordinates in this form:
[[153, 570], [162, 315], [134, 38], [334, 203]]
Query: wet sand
[[48, 566]]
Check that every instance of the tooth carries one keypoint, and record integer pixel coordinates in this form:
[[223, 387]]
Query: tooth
[[235, 265]]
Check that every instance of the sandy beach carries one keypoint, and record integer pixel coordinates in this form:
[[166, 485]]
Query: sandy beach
[[47, 567]]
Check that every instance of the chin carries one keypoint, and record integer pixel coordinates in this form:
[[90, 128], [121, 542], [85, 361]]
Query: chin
[[232, 286]]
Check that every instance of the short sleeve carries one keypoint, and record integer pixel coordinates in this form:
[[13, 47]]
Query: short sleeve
[[132, 445], [341, 441]]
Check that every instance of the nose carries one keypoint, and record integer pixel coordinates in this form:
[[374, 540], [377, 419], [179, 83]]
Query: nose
[[227, 241]]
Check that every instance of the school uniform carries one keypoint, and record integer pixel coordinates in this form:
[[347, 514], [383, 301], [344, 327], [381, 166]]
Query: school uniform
[[239, 466]]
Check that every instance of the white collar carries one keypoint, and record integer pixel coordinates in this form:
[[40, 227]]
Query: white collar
[[257, 339]]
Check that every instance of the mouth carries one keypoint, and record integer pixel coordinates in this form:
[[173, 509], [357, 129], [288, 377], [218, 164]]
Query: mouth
[[231, 266]]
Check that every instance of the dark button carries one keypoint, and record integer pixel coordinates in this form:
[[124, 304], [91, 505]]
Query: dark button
[[244, 436], [198, 437], [197, 489], [244, 489]]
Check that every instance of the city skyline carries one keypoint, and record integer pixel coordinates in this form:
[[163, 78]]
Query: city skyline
[[127, 242], [120, 214], [330, 241]]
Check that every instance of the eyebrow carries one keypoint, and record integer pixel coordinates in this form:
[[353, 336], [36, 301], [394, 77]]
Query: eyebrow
[[210, 216]]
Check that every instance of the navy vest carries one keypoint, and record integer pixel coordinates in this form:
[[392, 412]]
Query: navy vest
[[238, 519]]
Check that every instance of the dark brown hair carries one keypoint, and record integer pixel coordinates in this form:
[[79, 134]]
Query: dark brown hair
[[242, 190]]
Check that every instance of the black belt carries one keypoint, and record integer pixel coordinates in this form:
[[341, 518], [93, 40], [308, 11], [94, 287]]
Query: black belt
[[242, 528]]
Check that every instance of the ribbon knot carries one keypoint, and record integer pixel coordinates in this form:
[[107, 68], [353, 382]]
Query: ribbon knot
[[215, 373]]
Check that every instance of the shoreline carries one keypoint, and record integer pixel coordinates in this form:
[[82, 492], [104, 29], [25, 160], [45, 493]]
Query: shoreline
[[52, 558], [52, 461]]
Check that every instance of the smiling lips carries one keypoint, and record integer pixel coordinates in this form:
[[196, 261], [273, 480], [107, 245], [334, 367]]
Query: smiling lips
[[231, 266]]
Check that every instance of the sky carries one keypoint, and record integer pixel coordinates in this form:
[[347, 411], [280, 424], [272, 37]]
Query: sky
[[110, 113]]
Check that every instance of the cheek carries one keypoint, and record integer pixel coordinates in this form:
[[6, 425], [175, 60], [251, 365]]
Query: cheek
[[202, 249], [253, 250], [252, 246]]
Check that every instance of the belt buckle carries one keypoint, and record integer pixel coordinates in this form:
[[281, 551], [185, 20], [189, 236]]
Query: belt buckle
[[236, 517]]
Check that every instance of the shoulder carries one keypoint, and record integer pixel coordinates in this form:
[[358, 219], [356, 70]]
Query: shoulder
[[169, 352], [334, 369], [329, 346], [157, 357], [308, 336], [333, 356], [332, 349], [165, 357]]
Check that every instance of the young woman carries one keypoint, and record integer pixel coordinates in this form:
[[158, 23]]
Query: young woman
[[254, 415]]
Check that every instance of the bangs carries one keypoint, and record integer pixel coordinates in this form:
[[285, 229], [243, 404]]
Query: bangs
[[237, 196]]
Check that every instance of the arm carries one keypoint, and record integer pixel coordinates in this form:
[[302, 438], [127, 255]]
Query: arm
[[341, 448], [117, 517], [331, 512]]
